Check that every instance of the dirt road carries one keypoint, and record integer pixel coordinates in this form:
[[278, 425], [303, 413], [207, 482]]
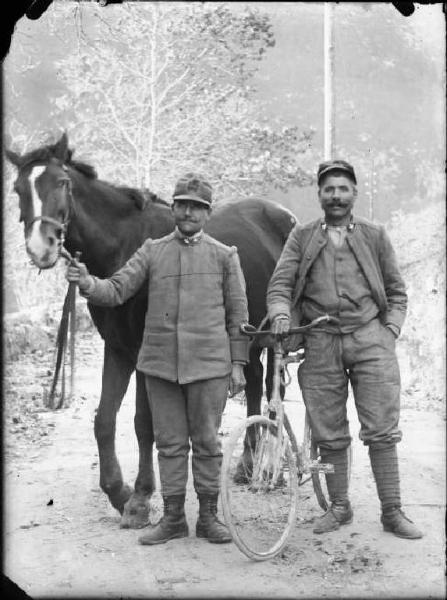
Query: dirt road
[[62, 539]]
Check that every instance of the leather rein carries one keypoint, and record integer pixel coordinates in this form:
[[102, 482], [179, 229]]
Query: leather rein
[[68, 317]]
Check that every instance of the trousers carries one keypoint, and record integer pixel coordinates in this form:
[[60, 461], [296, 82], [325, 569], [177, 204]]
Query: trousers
[[367, 359], [186, 416]]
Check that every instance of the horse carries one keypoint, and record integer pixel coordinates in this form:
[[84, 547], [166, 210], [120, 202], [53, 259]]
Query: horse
[[63, 204]]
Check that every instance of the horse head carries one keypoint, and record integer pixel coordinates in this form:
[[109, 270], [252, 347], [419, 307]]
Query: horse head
[[45, 199]]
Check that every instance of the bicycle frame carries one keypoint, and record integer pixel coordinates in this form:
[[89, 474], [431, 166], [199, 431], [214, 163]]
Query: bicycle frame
[[275, 407], [275, 413], [263, 464]]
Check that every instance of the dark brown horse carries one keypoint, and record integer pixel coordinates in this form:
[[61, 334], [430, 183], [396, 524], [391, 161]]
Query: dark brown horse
[[63, 203]]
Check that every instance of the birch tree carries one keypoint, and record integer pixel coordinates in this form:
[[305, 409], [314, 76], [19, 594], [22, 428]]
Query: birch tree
[[162, 88]]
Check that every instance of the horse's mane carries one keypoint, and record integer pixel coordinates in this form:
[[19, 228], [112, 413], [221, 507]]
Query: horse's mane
[[139, 197], [39, 155], [81, 167], [45, 153]]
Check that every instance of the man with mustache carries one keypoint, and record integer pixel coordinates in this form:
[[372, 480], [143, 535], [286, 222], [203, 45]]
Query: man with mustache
[[345, 266], [192, 352]]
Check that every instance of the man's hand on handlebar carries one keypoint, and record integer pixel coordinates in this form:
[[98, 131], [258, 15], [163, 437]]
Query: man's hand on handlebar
[[281, 325]]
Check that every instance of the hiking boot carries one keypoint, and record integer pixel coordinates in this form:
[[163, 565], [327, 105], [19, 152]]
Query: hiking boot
[[208, 525], [338, 514], [172, 524], [398, 523]]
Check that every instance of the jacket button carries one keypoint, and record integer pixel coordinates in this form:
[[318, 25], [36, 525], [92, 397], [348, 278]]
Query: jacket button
[[308, 257]]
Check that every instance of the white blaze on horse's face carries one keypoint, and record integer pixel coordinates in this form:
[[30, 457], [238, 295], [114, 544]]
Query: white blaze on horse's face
[[36, 243]]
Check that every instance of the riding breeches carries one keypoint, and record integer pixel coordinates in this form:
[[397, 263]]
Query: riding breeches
[[183, 416], [367, 359]]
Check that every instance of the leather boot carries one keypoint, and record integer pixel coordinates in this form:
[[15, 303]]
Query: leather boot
[[395, 521], [172, 524], [338, 514], [208, 525]]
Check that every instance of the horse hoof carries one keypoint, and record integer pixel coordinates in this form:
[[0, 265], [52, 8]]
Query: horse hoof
[[136, 513], [119, 500], [244, 471]]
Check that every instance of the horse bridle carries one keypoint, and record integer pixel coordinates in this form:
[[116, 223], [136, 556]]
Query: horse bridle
[[60, 226]]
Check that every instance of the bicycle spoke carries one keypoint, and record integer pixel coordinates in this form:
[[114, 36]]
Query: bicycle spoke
[[259, 488]]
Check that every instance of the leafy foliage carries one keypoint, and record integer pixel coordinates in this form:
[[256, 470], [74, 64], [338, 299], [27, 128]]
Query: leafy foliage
[[167, 88], [419, 240], [146, 91]]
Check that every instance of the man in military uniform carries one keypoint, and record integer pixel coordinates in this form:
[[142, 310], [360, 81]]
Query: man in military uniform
[[192, 351], [345, 266]]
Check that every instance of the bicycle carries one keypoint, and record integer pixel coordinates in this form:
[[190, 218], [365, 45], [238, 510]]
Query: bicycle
[[263, 466]]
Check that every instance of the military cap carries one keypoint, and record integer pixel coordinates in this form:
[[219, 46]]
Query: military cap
[[193, 187], [336, 165]]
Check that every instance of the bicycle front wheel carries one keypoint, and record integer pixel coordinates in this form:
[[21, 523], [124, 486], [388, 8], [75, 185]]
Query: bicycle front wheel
[[259, 487]]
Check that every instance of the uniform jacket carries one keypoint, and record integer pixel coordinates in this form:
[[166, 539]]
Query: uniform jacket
[[196, 303], [373, 251]]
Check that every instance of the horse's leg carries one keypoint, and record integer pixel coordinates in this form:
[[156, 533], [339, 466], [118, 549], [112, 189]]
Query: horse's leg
[[253, 392], [136, 510], [269, 376], [115, 379], [253, 387]]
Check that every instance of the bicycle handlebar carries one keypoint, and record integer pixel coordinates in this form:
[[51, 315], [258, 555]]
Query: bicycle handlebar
[[251, 330]]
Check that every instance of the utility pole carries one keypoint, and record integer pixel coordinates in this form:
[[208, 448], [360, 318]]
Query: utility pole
[[329, 96], [371, 189]]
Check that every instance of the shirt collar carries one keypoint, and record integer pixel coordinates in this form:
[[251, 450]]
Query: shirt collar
[[349, 227], [189, 239]]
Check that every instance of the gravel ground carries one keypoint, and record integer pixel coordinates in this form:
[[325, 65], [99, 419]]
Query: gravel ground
[[62, 539]]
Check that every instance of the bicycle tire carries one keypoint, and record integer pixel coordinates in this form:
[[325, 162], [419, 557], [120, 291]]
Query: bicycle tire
[[292, 438], [258, 497], [318, 479]]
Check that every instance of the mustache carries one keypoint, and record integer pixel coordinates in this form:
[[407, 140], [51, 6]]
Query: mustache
[[334, 203]]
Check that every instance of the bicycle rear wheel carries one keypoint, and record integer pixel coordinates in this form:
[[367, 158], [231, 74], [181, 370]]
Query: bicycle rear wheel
[[318, 478], [259, 487]]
